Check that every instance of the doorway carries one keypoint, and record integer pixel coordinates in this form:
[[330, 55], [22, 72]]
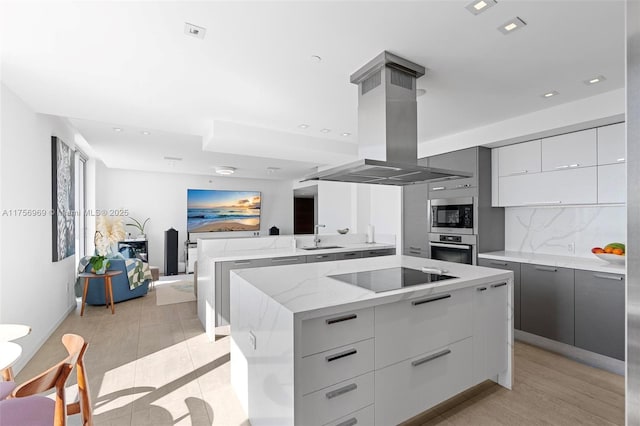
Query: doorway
[[305, 209]]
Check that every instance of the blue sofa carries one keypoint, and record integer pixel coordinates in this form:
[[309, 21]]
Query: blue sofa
[[119, 284]]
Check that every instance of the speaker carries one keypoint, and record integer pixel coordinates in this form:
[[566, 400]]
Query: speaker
[[171, 252]]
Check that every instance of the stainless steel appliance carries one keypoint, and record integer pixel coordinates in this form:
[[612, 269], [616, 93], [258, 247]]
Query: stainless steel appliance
[[453, 215], [454, 248], [390, 278]]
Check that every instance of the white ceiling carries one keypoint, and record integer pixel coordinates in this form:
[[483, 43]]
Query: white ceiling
[[130, 65]]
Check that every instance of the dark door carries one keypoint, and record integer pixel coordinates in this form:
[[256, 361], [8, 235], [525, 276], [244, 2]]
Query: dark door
[[303, 215]]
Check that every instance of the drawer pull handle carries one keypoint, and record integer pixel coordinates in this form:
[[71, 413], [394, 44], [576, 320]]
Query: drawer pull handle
[[322, 256], [415, 248], [285, 259], [564, 166], [498, 285], [349, 254], [431, 299], [546, 268], [414, 252], [521, 172], [341, 319], [438, 188], [481, 288], [341, 391], [541, 203], [609, 277], [499, 263], [242, 262], [620, 160], [430, 357], [341, 355], [352, 421]]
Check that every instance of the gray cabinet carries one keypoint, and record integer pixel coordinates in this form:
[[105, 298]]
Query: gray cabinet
[[547, 302], [289, 260], [414, 220], [464, 160], [349, 255], [379, 252], [327, 257], [600, 313], [222, 299], [515, 268]]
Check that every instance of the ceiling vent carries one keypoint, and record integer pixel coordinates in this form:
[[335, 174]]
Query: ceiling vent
[[194, 30]]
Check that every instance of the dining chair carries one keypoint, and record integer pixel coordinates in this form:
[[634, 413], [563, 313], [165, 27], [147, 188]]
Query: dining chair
[[27, 407]]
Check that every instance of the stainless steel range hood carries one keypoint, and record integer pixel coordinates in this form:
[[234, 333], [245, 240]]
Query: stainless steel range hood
[[387, 128]]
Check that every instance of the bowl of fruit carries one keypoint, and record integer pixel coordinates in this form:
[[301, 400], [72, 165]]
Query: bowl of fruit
[[612, 253]]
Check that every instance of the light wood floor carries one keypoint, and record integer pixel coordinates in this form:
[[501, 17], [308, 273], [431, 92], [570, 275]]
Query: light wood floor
[[153, 365]]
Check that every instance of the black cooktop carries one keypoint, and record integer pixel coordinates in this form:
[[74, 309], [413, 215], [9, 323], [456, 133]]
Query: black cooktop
[[389, 279]]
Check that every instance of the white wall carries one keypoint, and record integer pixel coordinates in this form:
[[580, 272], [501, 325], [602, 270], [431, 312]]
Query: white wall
[[552, 230], [336, 206], [163, 198], [33, 289]]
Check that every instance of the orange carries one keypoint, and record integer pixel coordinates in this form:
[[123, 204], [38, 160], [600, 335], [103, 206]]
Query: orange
[[617, 251], [608, 249]]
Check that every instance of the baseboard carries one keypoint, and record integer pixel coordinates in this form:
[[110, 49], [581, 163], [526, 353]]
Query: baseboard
[[25, 358], [586, 357]]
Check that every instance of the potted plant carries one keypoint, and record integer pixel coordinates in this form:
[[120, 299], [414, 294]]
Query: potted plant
[[99, 264], [140, 226]]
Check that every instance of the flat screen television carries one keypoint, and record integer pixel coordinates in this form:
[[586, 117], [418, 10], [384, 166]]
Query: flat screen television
[[213, 210]]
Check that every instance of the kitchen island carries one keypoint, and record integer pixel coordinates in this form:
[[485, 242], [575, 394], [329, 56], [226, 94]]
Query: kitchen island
[[309, 349]]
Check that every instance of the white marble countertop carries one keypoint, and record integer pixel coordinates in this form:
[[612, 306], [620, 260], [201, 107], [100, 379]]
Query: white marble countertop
[[267, 253], [306, 288], [583, 263]]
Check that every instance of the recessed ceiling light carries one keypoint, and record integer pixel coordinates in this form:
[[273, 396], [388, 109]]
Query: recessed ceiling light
[[550, 94], [173, 158], [511, 25], [225, 170], [272, 169], [345, 134], [117, 129], [325, 130], [303, 126], [478, 6], [145, 132], [594, 80], [316, 58], [194, 30]]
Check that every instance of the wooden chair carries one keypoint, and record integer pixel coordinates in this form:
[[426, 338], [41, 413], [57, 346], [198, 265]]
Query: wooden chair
[[26, 407]]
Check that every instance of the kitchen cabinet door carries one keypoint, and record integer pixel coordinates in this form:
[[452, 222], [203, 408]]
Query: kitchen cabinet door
[[519, 159], [464, 160], [571, 150], [547, 302], [415, 224], [490, 333], [611, 144], [572, 186], [612, 183], [600, 313], [515, 268]]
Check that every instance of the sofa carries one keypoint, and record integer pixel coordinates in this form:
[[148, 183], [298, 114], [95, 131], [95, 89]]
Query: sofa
[[119, 284]]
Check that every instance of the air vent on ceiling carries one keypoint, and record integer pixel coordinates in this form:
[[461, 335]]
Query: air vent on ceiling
[[194, 30]]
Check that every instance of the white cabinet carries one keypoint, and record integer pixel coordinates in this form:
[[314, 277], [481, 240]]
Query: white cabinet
[[611, 144], [612, 183], [360, 417], [491, 308], [571, 150], [411, 327], [408, 388], [519, 159], [573, 186]]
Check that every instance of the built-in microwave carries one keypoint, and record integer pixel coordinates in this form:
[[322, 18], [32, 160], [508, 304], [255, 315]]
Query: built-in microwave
[[453, 248], [453, 215]]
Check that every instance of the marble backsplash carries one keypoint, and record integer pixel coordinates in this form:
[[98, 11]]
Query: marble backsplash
[[567, 231]]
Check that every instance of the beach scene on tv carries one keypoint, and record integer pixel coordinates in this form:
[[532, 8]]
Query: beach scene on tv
[[211, 210]]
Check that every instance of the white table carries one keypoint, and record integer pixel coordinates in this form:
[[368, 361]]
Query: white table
[[9, 354], [9, 332]]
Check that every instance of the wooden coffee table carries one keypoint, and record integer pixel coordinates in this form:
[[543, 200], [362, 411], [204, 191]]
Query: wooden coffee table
[[108, 290]]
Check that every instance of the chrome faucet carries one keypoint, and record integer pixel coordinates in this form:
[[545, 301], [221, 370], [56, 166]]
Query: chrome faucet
[[316, 240]]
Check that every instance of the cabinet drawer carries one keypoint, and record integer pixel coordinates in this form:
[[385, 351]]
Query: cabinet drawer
[[334, 402], [289, 260], [327, 257], [410, 387], [333, 331], [362, 417], [455, 184], [336, 365], [416, 251], [349, 255], [411, 327], [379, 252]]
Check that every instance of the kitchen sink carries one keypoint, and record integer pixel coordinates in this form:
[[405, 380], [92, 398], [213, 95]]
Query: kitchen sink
[[320, 247]]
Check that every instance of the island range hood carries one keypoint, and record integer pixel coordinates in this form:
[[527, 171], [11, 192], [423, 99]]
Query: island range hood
[[387, 128]]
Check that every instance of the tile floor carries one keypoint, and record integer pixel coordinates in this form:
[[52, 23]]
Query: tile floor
[[148, 365]]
